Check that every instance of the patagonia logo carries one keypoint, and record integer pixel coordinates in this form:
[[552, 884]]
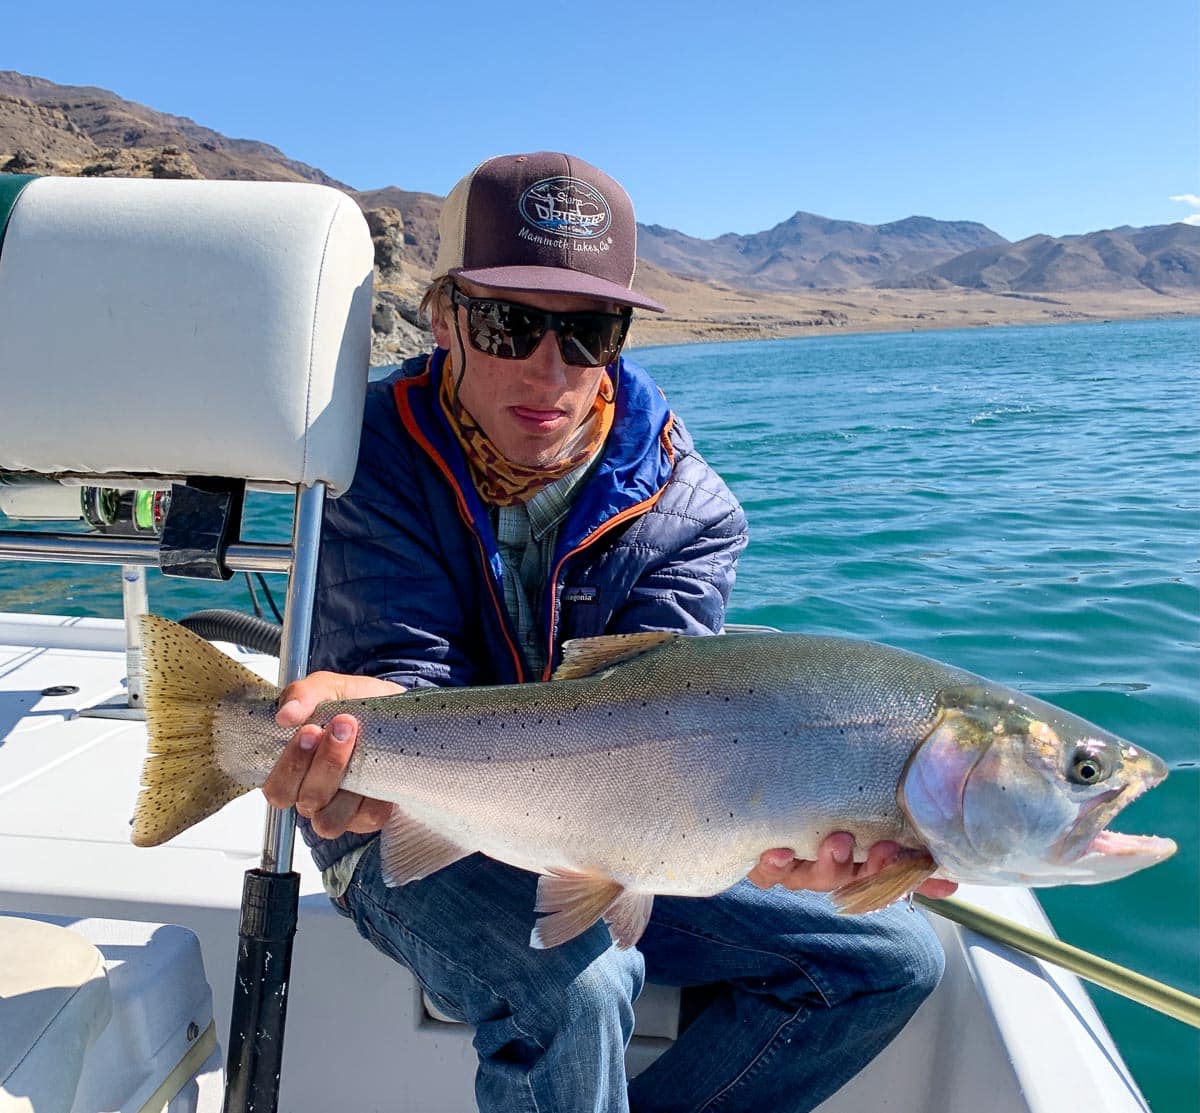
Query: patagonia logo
[[567, 207], [580, 594]]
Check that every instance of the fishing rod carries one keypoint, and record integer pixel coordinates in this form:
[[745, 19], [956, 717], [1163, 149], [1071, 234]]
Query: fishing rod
[[1128, 983]]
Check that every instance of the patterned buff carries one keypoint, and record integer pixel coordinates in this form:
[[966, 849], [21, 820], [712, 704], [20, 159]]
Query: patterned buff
[[501, 482]]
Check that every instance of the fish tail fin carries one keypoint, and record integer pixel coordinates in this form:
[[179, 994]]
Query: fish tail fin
[[181, 780]]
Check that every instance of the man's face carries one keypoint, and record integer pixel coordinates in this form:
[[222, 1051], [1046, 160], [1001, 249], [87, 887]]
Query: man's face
[[528, 407]]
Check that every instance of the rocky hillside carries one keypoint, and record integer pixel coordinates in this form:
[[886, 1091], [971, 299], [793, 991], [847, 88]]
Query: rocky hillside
[[79, 130], [83, 127]]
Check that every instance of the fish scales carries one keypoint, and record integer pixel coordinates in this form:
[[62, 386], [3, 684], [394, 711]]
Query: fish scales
[[714, 755]]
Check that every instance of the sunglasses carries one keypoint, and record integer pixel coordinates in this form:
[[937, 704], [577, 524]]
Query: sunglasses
[[509, 330]]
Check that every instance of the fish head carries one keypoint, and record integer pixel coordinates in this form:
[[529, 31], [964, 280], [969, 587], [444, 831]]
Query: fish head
[[1007, 789]]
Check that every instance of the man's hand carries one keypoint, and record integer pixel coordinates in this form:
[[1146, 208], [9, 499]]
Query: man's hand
[[834, 867], [308, 774]]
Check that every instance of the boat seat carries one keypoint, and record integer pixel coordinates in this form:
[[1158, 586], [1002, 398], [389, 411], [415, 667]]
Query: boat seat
[[54, 1003], [183, 329]]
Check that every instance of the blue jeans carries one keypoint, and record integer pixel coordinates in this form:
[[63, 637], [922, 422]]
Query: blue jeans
[[797, 998]]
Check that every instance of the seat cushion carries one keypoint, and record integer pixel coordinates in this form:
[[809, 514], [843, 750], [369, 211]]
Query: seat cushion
[[54, 1002]]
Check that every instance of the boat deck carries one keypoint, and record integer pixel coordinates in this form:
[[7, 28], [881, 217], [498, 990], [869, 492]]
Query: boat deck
[[1003, 1034]]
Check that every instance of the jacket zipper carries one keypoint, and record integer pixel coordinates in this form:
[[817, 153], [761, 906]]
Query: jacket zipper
[[399, 393], [617, 519]]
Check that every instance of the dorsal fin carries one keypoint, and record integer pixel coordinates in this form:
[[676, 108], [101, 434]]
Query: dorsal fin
[[587, 656]]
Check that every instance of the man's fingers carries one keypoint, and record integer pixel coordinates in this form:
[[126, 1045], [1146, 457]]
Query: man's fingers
[[336, 817], [834, 865], [329, 760], [371, 816], [282, 786], [773, 867], [937, 888], [349, 811]]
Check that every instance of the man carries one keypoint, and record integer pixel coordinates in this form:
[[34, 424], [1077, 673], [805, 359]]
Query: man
[[523, 485]]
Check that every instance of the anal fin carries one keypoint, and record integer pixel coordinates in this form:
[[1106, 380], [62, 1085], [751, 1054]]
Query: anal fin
[[410, 851], [576, 899], [869, 894], [628, 916]]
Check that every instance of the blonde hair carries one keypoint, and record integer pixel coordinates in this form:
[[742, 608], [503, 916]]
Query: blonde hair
[[435, 302]]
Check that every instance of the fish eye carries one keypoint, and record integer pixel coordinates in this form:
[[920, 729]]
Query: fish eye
[[1088, 767]]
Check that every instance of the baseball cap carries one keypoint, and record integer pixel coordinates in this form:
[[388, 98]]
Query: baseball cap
[[542, 223]]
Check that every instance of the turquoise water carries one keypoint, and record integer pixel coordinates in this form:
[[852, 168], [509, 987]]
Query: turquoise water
[[1022, 502]]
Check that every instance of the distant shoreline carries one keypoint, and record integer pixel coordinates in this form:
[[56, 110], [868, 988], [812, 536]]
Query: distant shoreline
[[704, 315]]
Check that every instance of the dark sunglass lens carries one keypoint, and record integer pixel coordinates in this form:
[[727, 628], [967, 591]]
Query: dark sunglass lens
[[591, 339], [503, 329]]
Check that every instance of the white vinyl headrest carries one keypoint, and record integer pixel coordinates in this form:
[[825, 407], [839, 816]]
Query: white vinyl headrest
[[184, 328]]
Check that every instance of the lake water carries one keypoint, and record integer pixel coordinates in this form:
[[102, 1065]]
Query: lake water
[[1022, 502]]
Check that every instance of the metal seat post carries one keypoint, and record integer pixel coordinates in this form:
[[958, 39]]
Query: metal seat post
[[271, 893]]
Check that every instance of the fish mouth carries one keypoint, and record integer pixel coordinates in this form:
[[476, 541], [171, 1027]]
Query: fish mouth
[[1153, 848], [1113, 853]]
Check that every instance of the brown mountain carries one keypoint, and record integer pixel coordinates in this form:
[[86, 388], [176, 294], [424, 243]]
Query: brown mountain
[[909, 273], [1161, 258], [815, 252]]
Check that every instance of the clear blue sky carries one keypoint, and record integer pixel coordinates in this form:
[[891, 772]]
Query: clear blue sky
[[1057, 116]]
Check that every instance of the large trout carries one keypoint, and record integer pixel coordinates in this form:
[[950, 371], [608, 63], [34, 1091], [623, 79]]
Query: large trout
[[656, 763]]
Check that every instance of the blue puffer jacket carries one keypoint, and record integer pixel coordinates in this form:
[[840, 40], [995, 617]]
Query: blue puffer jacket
[[409, 581]]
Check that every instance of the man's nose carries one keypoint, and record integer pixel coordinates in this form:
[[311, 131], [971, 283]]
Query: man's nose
[[546, 358]]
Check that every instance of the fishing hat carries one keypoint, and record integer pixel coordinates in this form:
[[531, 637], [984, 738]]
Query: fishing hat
[[542, 223]]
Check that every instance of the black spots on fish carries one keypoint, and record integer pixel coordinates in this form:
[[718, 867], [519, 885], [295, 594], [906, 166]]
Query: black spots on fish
[[860, 788]]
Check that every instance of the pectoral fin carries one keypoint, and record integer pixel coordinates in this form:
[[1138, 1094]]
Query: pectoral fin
[[577, 899], [409, 851], [869, 894]]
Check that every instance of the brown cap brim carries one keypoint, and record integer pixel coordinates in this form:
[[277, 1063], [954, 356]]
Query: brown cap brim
[[556, 280]]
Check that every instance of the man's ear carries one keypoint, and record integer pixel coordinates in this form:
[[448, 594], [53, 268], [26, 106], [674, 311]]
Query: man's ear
[[442, 325]]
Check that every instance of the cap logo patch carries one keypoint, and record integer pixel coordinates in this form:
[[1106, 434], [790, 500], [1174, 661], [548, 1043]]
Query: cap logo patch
[[567, 207]]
